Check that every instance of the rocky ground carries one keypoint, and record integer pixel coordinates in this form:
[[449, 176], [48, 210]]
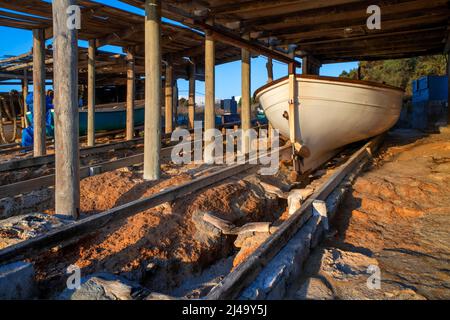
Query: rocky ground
[[394, 223]]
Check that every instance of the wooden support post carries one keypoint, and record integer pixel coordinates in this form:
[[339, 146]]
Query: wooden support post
[[91, 94], [169, 97], [191, 102], [67, 166], [292, 103], [210, 117], [269, 66], [245, 100], [310, 65], [24, 96], [175, 102], [131, 92], [152, 128], [39, 109]]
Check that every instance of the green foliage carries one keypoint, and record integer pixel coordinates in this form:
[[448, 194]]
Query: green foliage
[[400, 72], [183, 102]]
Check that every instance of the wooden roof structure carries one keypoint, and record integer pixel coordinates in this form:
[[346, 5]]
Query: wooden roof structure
[[329, 30], [112, 26], [110, 67]]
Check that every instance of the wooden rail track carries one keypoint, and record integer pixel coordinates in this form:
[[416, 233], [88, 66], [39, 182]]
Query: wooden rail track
[[15, 147], [242, 276], [84, 227]]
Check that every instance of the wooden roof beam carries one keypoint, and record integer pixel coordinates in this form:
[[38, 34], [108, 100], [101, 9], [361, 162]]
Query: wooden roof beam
[[250, 45], [347, 13], [225, 36]]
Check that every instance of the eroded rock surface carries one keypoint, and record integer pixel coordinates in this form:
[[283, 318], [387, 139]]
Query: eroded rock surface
[[397, 217]]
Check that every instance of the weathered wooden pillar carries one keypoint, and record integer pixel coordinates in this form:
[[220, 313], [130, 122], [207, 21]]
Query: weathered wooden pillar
[[310, 65], [131, 92], [210, 121], [39, 109], [175, 102], [65, 82], [245, 100], [91, 94], [152, 131], [448, 99], [24, 96], [191, 102], [269, 67], [169, 97], [292, 103]]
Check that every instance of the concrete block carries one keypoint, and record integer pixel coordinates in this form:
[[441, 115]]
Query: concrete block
[[17, 281], [273, 280], [105, 286]]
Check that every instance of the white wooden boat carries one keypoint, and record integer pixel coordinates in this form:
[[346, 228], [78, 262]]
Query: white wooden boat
[[333, 112]]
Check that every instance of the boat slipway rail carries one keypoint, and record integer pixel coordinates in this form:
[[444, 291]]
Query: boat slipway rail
[[26, 186], [243, 275], [72, 231]]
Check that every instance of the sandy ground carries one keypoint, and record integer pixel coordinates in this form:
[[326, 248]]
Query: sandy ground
[[397, 217], [158, 247]]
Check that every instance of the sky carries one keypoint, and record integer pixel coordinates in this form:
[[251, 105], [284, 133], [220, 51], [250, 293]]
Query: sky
[[228, 76]]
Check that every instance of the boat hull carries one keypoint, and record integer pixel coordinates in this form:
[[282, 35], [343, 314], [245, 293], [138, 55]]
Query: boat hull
[[109, 119], [332, 113]]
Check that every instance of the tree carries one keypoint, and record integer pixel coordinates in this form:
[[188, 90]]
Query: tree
[[400, 72]]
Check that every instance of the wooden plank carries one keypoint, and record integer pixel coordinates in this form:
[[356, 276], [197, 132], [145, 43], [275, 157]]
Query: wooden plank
[[26, 186], [232, 285], [24, 97], [91, 93], [91, 224], [67, 189], [49, 159], [448, 86], [191, 102]]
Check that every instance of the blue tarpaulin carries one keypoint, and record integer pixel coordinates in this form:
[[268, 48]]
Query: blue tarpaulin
[[28, 133]]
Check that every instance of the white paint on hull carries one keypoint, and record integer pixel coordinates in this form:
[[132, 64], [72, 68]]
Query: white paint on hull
[[333, 113]]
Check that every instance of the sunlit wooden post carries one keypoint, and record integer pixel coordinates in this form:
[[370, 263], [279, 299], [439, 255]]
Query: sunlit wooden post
[[131, 92], [152, 130], [169, 97], [39, 108], [246, 100], [65, 81], [292, 103], [91, 94], [210, 58], [269, 67], [191, 102]]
